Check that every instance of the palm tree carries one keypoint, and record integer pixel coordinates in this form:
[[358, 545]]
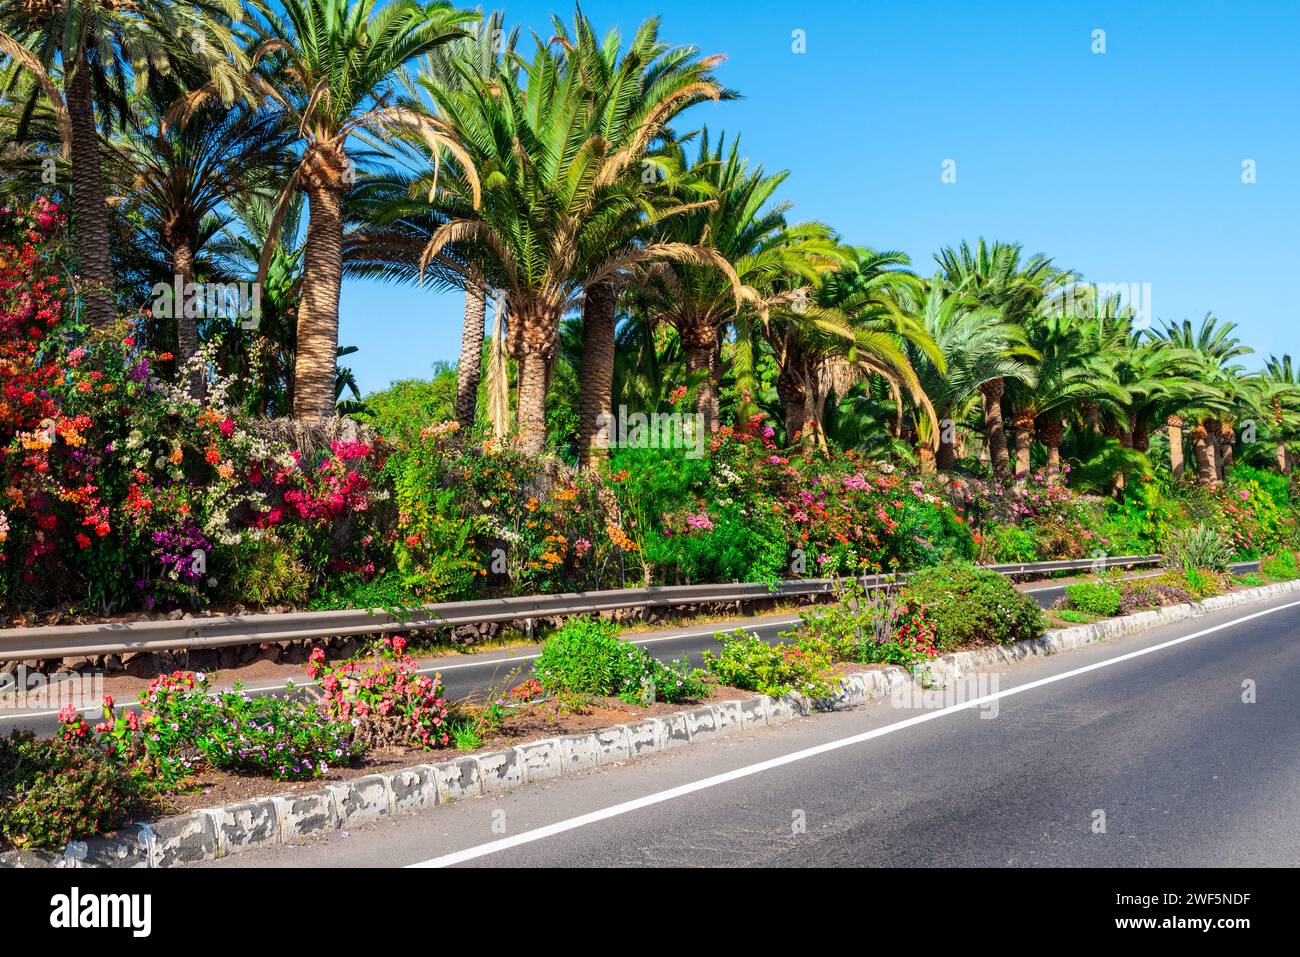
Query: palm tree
[[993, 275], [977, 347], [1155, 376], [846, 328], [1211, 347], [181, 178], [1067, 377], [330, 65], [634, 94], [756, 249], [553, 195], [1280, 397], [480, 54], [94, 47]]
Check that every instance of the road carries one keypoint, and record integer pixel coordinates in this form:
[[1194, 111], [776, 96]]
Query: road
[[1138, 752], [469, 675]]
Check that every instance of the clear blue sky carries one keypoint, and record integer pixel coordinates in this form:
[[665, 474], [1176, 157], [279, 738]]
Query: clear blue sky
[[1125, 165]]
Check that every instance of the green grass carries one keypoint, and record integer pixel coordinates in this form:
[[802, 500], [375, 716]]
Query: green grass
[[1075, 617]]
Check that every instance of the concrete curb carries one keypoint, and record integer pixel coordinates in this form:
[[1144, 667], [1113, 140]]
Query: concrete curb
[[292, 818]]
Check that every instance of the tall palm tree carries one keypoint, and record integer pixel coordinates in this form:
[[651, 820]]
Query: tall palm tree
[[977, 347], [553, 194], [83, 55], [1211, 347], [1281, 399], [480, 54], [180, 178], [634, 93], [329, 73], [755, 248], [994, 275]]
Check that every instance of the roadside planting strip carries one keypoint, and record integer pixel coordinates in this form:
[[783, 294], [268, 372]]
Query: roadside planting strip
[[291, 818]]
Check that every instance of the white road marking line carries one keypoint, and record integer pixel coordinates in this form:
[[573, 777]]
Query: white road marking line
[[22, 715], [649, 800]]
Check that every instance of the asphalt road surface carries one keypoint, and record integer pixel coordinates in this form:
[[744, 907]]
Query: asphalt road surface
[[1178, 747]]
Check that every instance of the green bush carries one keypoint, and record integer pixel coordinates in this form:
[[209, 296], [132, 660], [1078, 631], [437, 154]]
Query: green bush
[[1200, 546], [880, 626], [748, 662], [1275, 484], [971, 606], [267, 573], [1095, 598], [1010, 543], [54, 790], [586, 657], [1280, 567], [284, 739], [1198, 583], [1251, 580]]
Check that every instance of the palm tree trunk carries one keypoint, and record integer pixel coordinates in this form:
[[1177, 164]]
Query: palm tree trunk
[[1175, 424], [946, 457], [1092, 415], [318, 315], [1051, 431], [187, 327], [596, 404], [1142, 436], [89, 207], [1227, 439], [532, 401], [996, 433], [469, 371], [1022, 427], [896, 397], [1207, 470], [1283, 458], [794, 396], [700, 342], [498, 379]]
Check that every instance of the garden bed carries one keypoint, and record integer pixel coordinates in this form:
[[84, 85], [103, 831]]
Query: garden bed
[[534, 722], [385, 787]]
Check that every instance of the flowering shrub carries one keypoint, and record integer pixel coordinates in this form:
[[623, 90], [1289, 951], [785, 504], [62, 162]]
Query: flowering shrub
[[971, 606], [868, 627], [283, 739], [55, 790], [1280, 567], [181, 728], [586, 657], [389, 703], [747, 661], [745, 511]]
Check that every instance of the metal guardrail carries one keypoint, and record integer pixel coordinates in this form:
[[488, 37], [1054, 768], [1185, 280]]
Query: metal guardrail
[[62, 641]]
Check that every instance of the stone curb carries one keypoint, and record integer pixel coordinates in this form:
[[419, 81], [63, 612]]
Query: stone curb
[[291, 818]]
